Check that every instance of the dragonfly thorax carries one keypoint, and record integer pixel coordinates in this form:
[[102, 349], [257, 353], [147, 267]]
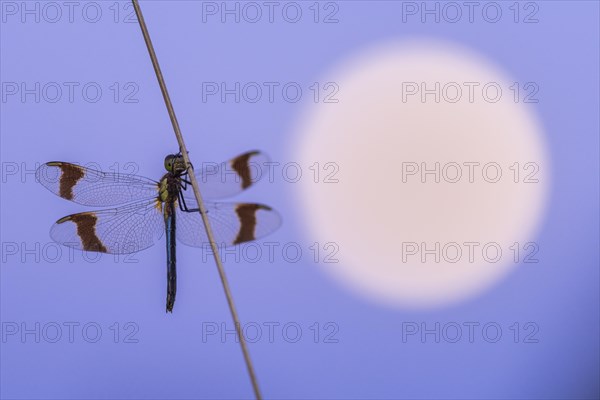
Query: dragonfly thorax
[[169, 187]]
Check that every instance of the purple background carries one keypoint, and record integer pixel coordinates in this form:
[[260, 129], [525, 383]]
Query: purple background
[[170, 360]]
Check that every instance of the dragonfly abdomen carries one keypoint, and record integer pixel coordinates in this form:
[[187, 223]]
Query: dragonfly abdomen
[[170, 223], [169, 193]]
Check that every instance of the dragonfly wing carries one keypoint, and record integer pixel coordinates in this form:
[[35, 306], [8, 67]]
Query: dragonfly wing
[[232, 223], [94, 188], [121, 230], [229, 178]]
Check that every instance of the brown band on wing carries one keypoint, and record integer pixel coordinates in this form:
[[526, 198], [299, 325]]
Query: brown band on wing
[[242, 167], [247, 215], [86, 230], [71, 174]]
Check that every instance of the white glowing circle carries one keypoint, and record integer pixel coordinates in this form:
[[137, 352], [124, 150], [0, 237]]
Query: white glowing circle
[[373, 133]]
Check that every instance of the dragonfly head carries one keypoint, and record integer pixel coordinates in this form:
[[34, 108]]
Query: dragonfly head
[[174, 163]]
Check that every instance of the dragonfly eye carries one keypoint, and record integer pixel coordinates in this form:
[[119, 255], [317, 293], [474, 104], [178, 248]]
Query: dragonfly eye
[[169, 160]]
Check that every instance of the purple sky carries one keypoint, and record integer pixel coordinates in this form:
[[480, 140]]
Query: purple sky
[[51, 70]]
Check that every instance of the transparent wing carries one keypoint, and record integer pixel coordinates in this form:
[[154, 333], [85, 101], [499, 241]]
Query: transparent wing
[[94, 188], [232, 223], [229, 178], [121, 230]]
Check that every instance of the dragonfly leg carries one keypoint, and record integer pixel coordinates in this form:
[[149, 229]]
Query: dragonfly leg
[[183, 181], [185, 184], [183, 206]]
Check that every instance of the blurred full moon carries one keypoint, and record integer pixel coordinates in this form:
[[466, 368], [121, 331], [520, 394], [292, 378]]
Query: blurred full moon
[[442, 173]]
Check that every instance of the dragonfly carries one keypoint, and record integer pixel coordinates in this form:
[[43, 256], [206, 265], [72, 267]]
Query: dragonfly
[[147, 209]]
